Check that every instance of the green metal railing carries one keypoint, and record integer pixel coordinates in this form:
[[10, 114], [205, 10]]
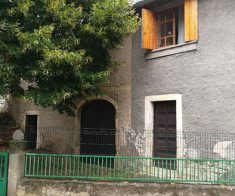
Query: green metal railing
[[3, 172], [129, 168]]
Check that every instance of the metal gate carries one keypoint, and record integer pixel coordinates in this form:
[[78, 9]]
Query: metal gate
[[3, 173]]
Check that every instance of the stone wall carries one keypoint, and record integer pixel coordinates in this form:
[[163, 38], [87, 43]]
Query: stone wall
[[57, 130], [27, 187]]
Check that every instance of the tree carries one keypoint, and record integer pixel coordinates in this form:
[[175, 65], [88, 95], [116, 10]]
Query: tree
[[60, 48]]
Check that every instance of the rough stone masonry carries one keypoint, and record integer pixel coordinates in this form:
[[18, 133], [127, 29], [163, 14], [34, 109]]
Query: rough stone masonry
[[29, 187]]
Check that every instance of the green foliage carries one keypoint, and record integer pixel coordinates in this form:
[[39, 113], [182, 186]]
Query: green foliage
[[60, 48]]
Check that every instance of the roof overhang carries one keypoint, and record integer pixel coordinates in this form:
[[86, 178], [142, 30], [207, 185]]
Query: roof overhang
[[149, 3]]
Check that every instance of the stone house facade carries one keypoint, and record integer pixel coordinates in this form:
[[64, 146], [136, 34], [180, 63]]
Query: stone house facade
[[178, 68], [60, 131]]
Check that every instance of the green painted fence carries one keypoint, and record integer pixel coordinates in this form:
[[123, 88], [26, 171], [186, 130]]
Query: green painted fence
[[130, 168], [3, 173]]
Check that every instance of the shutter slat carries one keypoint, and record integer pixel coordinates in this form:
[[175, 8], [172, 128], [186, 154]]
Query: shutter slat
[[149, 30], [191, 20]]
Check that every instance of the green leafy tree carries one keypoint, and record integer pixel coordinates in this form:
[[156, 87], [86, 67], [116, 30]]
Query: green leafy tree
[[60, 48]]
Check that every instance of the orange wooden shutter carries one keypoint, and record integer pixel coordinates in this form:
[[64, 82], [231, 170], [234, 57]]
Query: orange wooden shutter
[[149, 30], [191, 20]]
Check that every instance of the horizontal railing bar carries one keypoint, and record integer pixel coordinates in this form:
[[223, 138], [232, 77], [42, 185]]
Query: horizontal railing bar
[[118, 178], [3, 153], [127, 157], [130, 179]]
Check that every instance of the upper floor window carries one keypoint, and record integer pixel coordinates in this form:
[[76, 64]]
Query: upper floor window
[[167, 28], [170, 24]]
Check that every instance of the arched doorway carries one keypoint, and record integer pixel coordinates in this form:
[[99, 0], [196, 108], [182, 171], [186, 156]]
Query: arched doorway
[[98, 128]]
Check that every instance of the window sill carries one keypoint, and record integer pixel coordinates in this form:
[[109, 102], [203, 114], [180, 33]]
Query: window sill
[[171, 50]]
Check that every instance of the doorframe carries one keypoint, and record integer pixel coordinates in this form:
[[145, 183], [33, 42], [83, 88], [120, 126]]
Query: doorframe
[[149, 122]]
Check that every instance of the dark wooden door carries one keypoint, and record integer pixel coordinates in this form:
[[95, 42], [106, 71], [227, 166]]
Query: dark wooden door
[[98, 114], [165, 129], [31, 131], [98, 128]]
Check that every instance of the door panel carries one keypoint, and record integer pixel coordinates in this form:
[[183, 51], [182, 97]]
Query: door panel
[[164, 129], [98, 128], [31, 131]]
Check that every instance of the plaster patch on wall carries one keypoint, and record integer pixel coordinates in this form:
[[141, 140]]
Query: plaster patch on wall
[[3, 104], [133, 142], [221, 148]]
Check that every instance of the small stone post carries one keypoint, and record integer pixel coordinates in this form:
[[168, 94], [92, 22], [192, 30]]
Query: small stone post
[[15, 171]]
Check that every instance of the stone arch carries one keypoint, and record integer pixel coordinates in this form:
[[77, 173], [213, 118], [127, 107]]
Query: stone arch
[[81, 104]]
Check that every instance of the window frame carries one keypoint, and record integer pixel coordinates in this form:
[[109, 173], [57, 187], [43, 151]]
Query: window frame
[[150, 23], [173, 10]]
